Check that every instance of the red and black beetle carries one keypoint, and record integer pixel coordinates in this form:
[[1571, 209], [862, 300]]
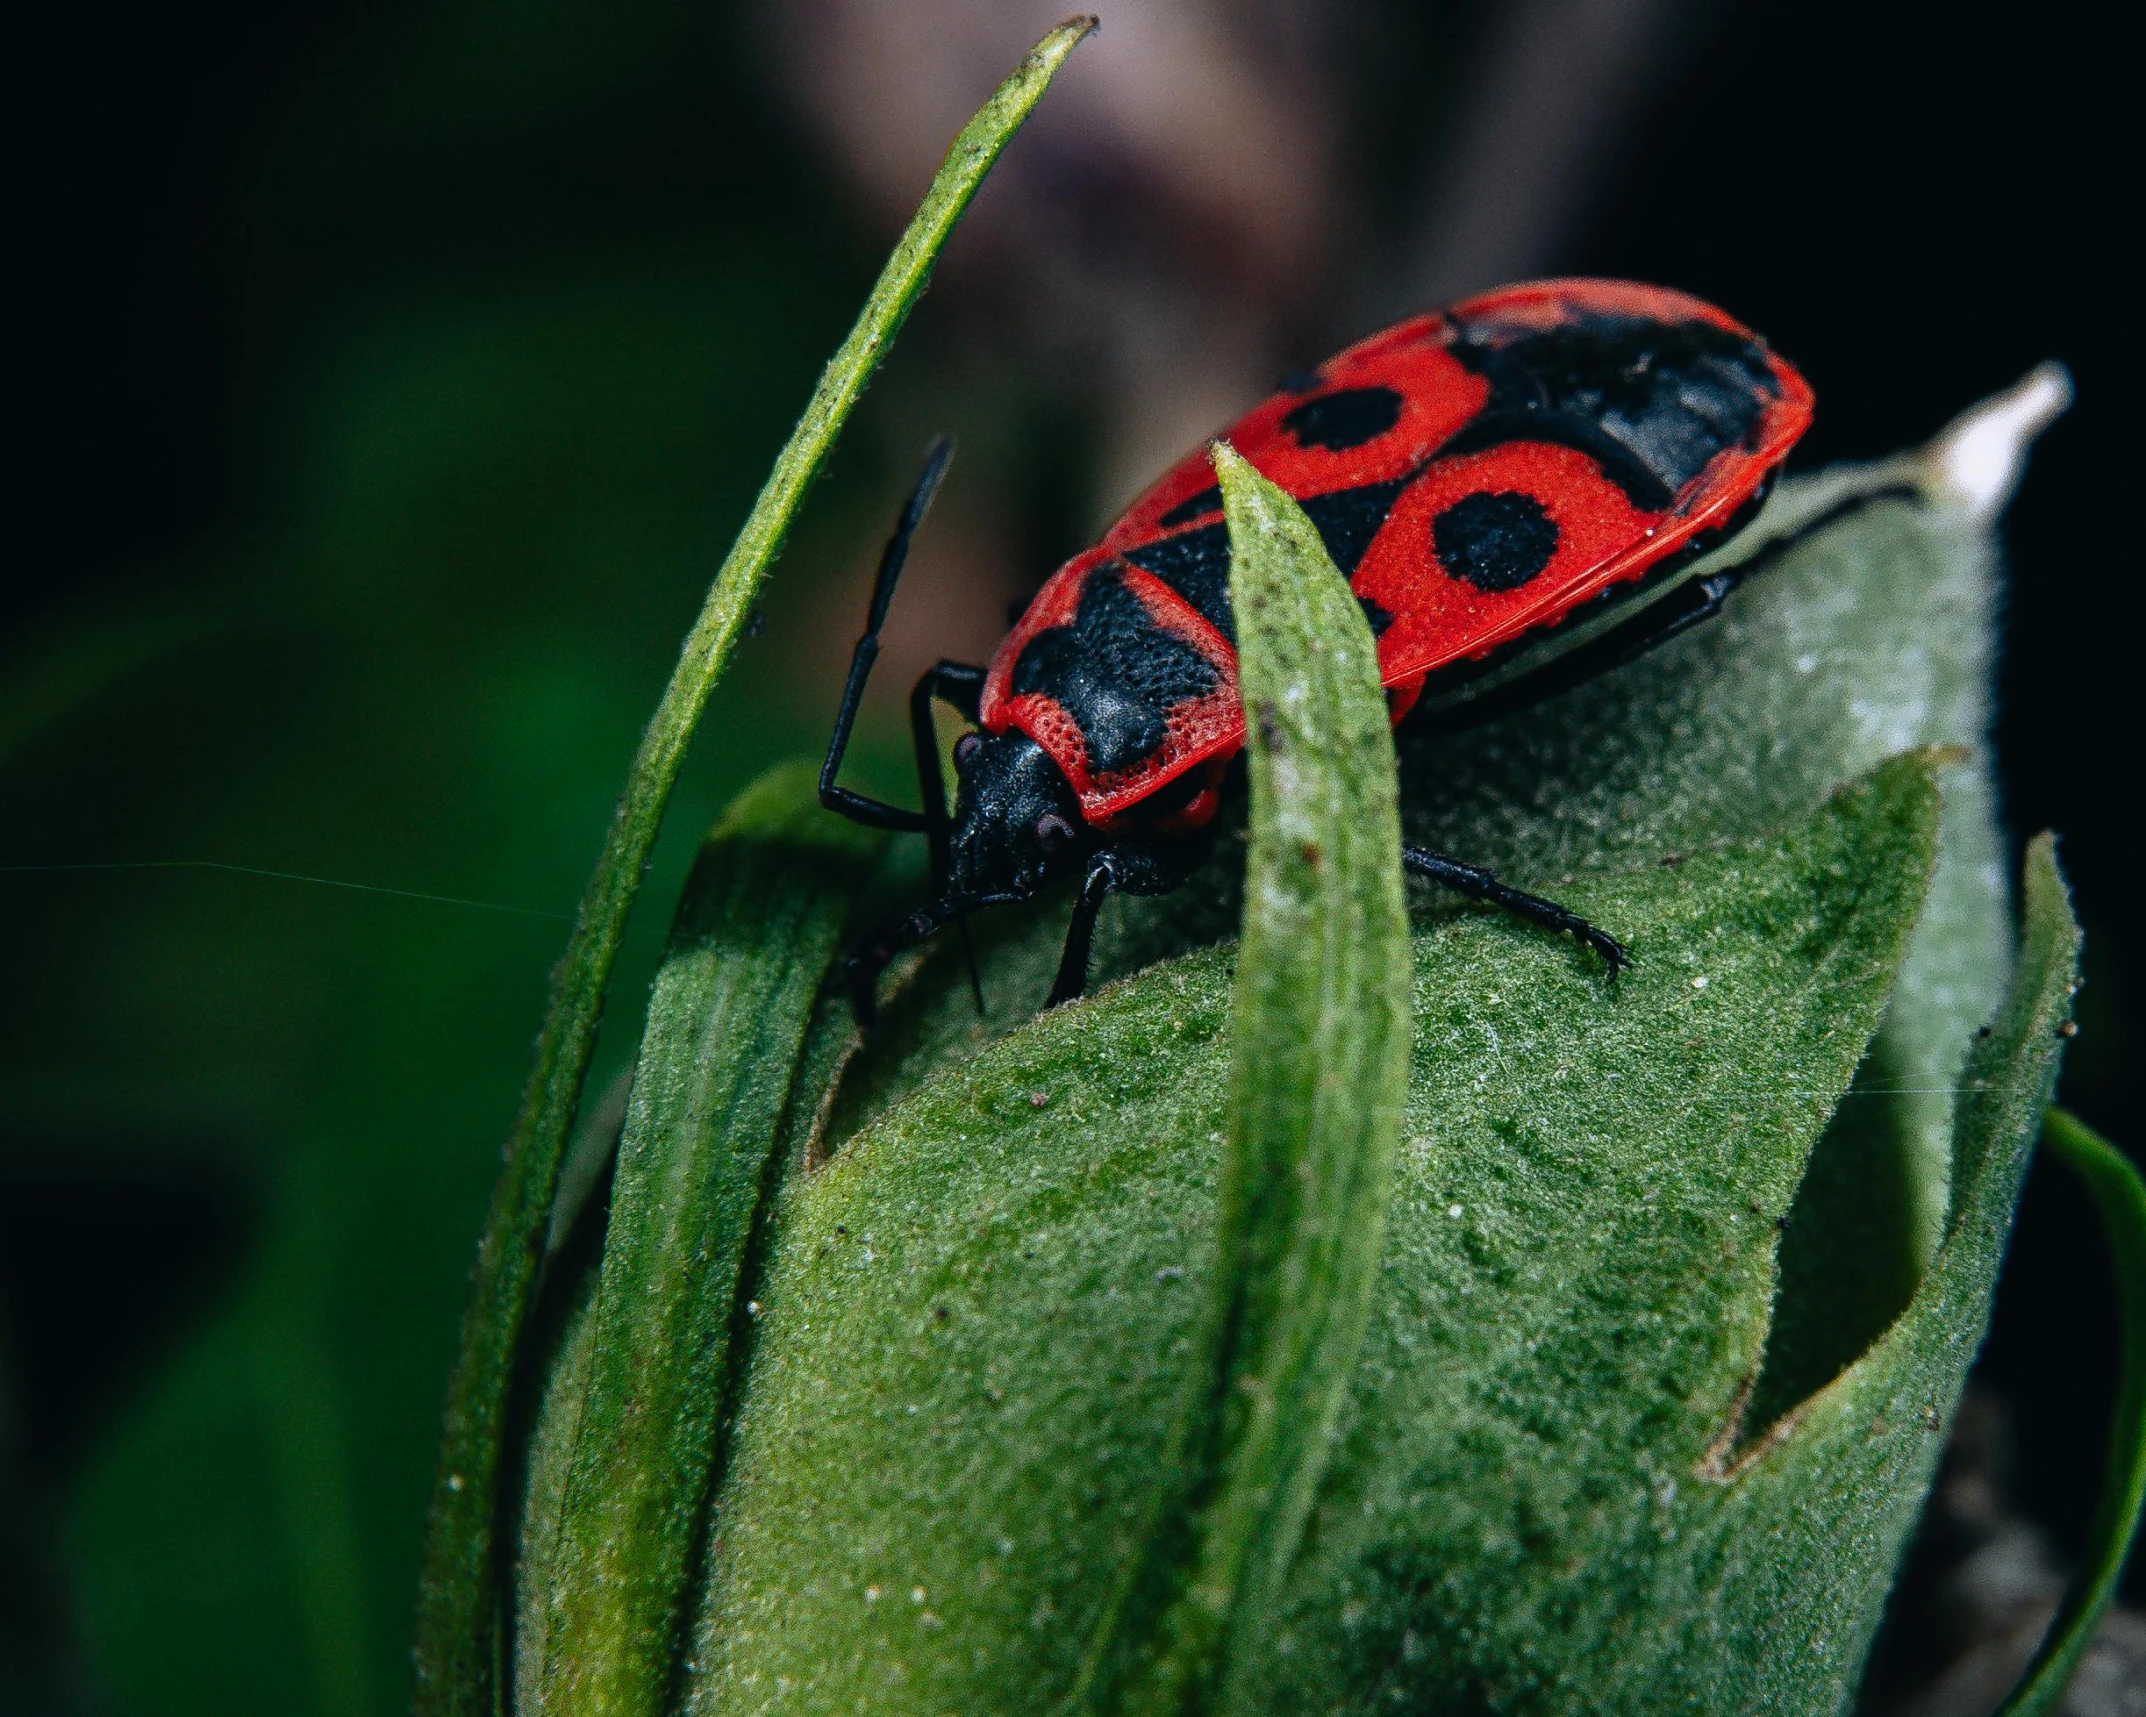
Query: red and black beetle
[[1525, 476]]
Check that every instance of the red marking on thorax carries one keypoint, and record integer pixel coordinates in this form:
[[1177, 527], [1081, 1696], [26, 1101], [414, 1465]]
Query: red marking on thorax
[[1196, 730]]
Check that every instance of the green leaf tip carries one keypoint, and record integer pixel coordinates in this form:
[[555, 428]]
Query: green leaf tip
[[1319, 1044], [2119, 1194], [458, 1643]]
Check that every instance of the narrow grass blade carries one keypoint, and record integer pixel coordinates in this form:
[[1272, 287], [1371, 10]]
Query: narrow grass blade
[[759, 922], [1318, 1075], [2120, 1195], [459, 1592]]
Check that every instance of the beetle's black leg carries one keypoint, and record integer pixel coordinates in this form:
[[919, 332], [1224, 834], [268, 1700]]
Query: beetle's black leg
[[962, 686], [856, 806], [1476, 883], [861, 969], [1095, 888]]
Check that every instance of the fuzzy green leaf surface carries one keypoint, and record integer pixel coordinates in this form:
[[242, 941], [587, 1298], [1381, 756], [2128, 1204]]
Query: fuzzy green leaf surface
[[458, 1620], [756, 929], [1870, 636], [1576, 1543], [2114, 1183], [956, 1424], [1318, 1074]]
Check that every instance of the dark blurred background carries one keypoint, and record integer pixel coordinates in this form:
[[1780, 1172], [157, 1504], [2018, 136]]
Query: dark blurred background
[[390, 380]]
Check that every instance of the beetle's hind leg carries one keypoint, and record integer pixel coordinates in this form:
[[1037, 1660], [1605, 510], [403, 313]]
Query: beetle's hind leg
[[1475, 883]]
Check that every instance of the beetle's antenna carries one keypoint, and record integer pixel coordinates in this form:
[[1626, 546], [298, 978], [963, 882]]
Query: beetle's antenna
[[872, 957]]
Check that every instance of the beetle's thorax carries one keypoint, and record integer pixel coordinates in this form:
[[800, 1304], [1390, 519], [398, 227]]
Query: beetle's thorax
[[1017, 822]]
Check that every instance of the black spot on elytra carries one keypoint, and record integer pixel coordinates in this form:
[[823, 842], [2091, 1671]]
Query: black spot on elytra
[[1652, 402], [1208, 500], [1115, 672], [1195, 564], [1340, 421], [1494, 541]]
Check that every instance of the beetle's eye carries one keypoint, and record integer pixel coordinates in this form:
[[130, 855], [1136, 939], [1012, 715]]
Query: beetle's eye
[[966, 748], [1052, 831]]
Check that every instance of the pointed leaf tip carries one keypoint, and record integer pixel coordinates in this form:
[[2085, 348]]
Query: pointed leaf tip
[[1977, 460], [1318, 1075]]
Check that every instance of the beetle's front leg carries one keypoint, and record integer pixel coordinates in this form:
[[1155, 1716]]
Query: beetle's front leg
[[1095, 888]]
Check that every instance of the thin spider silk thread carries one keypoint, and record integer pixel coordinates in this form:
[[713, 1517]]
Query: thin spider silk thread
[[565, 917], [288, 876]]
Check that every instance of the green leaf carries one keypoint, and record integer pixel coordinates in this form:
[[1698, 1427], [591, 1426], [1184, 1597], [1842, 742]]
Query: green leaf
[[1318, 1073], [980, 1316], [756, 929], [1598, 1526], [458, 1606], [2120, 1193], [1871, 636]]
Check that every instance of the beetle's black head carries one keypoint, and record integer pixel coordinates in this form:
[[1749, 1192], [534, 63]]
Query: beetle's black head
[[1017, 823]]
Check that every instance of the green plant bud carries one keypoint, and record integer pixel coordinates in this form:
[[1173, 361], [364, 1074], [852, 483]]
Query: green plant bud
[[1605, 1443]]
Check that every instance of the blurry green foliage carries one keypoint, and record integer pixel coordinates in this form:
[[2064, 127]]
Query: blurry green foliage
[[435, 686], [506, 420]]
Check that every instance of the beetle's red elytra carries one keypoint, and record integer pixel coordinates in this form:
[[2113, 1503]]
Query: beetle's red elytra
[[1535, 465]]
